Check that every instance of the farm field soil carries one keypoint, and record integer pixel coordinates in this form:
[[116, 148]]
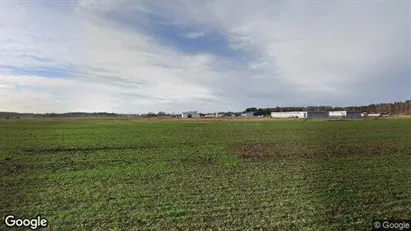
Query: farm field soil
[[197, 175]]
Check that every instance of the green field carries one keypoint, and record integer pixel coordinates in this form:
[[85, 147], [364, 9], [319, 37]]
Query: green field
[[164, 175]]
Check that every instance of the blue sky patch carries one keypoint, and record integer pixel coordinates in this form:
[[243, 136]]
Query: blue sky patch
[[172, 35], [48, 72]]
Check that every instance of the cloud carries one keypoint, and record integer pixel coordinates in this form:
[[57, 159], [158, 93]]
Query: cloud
[[107, 55], [111, 65], [320, 49], [194, 35]]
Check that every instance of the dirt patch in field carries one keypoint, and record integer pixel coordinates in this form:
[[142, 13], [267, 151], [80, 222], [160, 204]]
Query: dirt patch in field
[[309, 150]]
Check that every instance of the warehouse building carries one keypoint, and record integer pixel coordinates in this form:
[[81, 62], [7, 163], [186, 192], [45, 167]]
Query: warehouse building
[[214, 115], [210, 115], [345, 114], [317, 115], [190, 114], [337, 114], [374, 115], [300, 114], [289, 114], [354, 115]]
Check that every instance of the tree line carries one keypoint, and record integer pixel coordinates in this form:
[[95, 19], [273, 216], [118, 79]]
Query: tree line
[[401, 107], [56, 115]]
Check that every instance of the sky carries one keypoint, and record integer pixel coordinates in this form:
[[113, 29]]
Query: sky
[[149, 56]]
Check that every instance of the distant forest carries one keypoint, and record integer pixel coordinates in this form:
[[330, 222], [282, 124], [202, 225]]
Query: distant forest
[[9, 115], [383, 108]]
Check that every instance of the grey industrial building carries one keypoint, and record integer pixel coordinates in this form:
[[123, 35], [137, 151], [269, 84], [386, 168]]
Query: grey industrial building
[[353, 115], [317, 115]]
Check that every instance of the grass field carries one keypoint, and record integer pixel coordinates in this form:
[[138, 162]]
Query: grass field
[[164, 175]]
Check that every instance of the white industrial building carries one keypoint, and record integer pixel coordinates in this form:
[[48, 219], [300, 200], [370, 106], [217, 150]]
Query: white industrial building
[[213, 115], [317, 114], [290, 114], [374, 115], [210, 115], [337, 113], [190, 114], [345, 114]]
